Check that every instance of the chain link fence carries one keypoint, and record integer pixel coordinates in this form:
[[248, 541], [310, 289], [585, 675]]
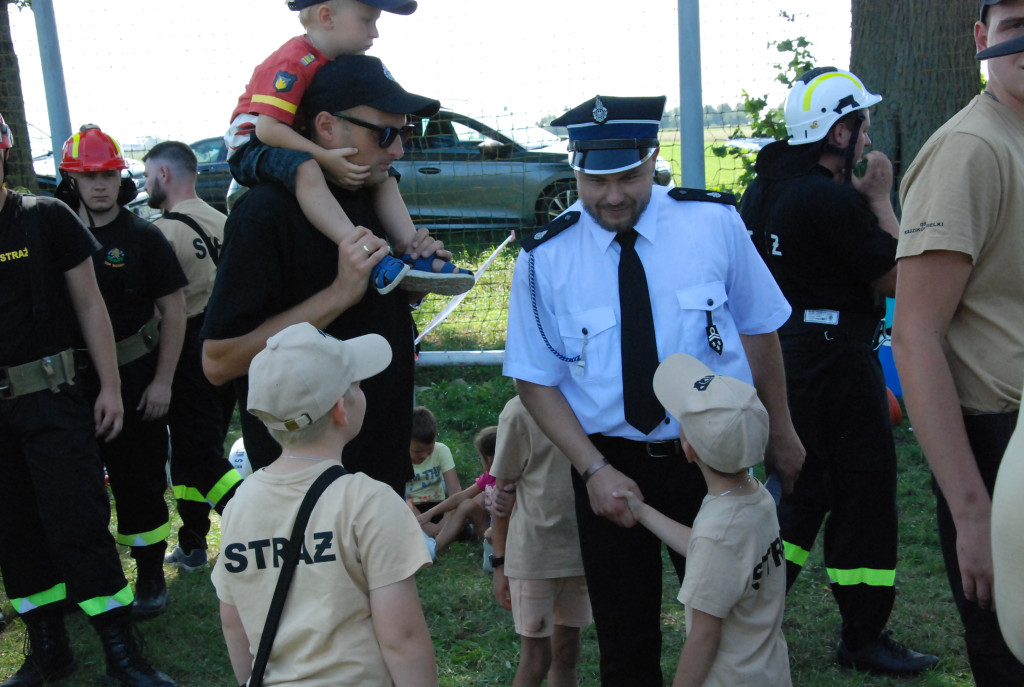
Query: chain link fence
[[487, 165]]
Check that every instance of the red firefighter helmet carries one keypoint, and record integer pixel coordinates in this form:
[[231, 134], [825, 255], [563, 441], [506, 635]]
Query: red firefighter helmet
[[91, 150], [6, 137]]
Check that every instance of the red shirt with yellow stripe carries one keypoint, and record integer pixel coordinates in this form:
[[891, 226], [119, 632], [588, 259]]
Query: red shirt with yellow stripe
[[276, 88]]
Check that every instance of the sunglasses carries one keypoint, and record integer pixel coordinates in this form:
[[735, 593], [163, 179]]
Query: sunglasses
[[388, 134]]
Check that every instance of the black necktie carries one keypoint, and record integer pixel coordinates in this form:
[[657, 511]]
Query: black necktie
[[639, 348]]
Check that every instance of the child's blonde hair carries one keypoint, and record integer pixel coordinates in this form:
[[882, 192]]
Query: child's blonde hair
[[307, 15]]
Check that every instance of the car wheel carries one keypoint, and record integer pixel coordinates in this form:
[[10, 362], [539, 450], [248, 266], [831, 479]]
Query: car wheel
[[555, 200]]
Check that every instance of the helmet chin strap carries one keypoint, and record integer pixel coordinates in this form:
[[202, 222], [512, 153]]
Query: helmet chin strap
[[73, 184], [850, 150]]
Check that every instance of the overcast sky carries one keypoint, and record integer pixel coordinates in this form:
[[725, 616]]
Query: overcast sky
[[175, 68]]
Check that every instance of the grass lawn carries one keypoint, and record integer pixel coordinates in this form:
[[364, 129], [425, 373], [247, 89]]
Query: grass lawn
[[474, 638]]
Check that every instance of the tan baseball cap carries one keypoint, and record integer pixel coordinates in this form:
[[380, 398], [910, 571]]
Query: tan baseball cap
[[302, 373], [721, 417]]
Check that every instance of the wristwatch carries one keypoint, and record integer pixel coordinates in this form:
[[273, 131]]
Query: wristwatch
[[496, 561]]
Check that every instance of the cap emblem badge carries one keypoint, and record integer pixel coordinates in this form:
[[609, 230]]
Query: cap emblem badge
[[387, 73], [600, 111], [703, 383]]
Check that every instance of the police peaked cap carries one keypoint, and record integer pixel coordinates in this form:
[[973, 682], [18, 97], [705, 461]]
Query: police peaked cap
[[609, 134], [393, 6]]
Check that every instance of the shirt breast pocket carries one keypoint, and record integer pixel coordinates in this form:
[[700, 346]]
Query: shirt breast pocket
[[592, 334], [701, 306]]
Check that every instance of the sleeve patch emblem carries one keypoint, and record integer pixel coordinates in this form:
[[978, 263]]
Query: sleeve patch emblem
[[284, 82]]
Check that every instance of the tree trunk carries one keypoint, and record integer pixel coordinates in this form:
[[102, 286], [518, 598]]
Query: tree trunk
[[12, 106], [919, 55]]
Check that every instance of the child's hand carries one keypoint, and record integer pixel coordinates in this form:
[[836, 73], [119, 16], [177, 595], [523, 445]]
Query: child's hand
[[423, 518], [339, 171], [632, 500], [502, 500]]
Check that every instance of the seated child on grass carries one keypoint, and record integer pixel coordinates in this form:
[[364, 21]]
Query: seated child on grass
[[353, 614], [735, 584], [264, 144], [538, 568], [434, 476], [467, 506]]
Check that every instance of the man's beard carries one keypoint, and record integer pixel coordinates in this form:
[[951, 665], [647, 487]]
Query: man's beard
[[157, 196], [622, 225]]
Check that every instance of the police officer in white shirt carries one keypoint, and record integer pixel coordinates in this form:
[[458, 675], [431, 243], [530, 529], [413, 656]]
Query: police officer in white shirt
[[707, 293]]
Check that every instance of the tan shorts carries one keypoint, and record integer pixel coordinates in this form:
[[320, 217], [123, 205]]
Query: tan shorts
[[539, 605]]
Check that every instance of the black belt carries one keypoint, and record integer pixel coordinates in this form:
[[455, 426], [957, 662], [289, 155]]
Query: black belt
[[653, 449]]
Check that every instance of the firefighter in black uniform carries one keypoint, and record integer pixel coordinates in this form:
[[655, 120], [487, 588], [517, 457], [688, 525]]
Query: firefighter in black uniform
[[54, 512], [141, 283], [200, 412], [829, 238]]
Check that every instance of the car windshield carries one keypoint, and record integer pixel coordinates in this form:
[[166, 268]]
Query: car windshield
[[524, 134]]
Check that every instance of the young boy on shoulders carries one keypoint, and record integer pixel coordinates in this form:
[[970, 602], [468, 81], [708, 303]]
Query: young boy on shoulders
[[538, 569], [353, 614], [264, 143], [735, 585]]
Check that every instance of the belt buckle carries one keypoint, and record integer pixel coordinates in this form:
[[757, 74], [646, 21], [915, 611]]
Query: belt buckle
[[5, 384], [671, 444]]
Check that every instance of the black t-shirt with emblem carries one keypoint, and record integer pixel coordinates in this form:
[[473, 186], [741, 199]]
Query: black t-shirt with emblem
[[30, 330], [135, 266], [273, 260]]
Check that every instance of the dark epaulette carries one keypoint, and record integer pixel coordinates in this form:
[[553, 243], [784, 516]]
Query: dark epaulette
[[701, 194], [549, 230]]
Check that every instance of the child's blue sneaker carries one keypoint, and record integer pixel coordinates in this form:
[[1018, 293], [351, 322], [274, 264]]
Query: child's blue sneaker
[[423, 279], [388, 273]]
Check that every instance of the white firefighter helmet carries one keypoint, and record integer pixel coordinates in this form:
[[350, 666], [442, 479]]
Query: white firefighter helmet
[[819, 99]]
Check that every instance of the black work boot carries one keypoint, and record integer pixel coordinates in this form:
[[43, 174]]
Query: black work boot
[[885, 656], [125, 663], [150, 585], [49, 656]]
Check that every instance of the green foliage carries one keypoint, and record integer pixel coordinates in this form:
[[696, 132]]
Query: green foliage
[[766, 121]]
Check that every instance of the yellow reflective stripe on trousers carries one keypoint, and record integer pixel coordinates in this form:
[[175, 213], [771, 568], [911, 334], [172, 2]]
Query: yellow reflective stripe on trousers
[[868, 576], [145, 538], [222, 487], [102, 604], [795, 554], [57, 592]]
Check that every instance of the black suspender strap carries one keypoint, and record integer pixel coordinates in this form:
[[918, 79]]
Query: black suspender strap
[[211, 246], [291, 561]]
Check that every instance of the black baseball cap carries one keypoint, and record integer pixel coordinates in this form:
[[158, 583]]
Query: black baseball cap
[[393, 6], [348, 81]]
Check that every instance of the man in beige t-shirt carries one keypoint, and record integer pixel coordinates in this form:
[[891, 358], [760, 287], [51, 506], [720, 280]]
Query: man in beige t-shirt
[[200, 412], [352, 614], [958, 330]]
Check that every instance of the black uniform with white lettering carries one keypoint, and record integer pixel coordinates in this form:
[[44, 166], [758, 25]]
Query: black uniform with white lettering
[[824, 246], [54, 511]]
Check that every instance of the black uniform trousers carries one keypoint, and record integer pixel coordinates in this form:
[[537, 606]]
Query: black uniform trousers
[[200, 474], [840, 410], [623, 566], [136, 460], [54, 510], [992, 662]]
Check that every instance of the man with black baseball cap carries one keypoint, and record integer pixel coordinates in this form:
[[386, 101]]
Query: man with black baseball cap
[[958, 334], [629, 275], [277, 269]]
